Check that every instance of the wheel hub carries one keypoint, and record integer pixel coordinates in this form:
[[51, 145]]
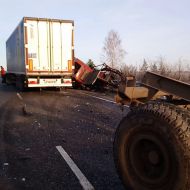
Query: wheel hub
[[153, 157], [149, 158]]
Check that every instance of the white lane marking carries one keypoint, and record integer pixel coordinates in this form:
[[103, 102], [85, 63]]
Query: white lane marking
[[100, 98], [103, 99], [82, 179]]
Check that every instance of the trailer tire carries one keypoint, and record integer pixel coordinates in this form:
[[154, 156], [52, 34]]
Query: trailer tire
[[152, 148], [20, 83]]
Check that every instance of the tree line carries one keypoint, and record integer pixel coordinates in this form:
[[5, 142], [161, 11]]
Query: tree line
[[113, 55], [179, 71]]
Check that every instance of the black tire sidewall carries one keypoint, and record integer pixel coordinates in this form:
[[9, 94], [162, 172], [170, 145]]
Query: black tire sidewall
[[136, 122]]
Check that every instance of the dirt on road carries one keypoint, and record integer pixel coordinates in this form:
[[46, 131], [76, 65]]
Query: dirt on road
[[82, 124]]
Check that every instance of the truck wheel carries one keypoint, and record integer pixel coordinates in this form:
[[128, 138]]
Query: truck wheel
[[152, 148], [20, 83]]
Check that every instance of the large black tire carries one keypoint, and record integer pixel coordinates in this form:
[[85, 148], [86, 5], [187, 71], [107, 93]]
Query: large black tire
[[152, 148]]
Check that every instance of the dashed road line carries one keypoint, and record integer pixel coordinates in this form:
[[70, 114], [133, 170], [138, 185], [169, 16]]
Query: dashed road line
[[100, 98], [106, 100], [82, 179]]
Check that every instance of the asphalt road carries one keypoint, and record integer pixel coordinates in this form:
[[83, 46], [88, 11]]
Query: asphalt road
[[64, 141]]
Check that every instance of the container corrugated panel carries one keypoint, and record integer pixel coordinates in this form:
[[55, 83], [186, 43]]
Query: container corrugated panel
[[15, 51]]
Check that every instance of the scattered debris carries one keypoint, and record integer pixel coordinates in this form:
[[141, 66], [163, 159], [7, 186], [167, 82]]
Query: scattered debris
[[6, 164], [24, 109], [64, 141], [27, 149], [19, 96], [23, 179], [24, 158], [37, 124]]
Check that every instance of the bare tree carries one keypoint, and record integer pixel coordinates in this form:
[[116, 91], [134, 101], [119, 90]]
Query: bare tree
[[129, 70], [144, 67], [153, 67], [162, 66], [179, 70], [142, 70], [113, 53]]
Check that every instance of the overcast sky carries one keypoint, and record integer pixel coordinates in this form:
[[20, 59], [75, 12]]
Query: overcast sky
[[148, 28]]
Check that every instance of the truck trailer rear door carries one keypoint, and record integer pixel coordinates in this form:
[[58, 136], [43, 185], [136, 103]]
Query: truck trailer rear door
[[61, 46], [50, 45], [38, 45]]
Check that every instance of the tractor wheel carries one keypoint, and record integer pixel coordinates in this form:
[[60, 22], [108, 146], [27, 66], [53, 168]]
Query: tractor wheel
[[152, 148]]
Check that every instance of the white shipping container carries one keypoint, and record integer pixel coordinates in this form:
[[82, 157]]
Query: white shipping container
[[41, 48]]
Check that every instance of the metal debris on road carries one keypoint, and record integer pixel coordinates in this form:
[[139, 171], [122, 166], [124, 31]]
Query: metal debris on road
[[76, 106], [23, 179], [19, 96], [24, 109]]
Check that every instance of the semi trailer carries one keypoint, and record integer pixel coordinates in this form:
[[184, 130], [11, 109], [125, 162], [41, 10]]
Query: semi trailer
[[40, 53]]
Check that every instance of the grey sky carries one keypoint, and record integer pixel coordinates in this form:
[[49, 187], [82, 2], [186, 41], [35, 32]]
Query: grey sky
[[148, 28]]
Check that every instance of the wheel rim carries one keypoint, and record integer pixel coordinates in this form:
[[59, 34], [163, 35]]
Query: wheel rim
[[150, 159]]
